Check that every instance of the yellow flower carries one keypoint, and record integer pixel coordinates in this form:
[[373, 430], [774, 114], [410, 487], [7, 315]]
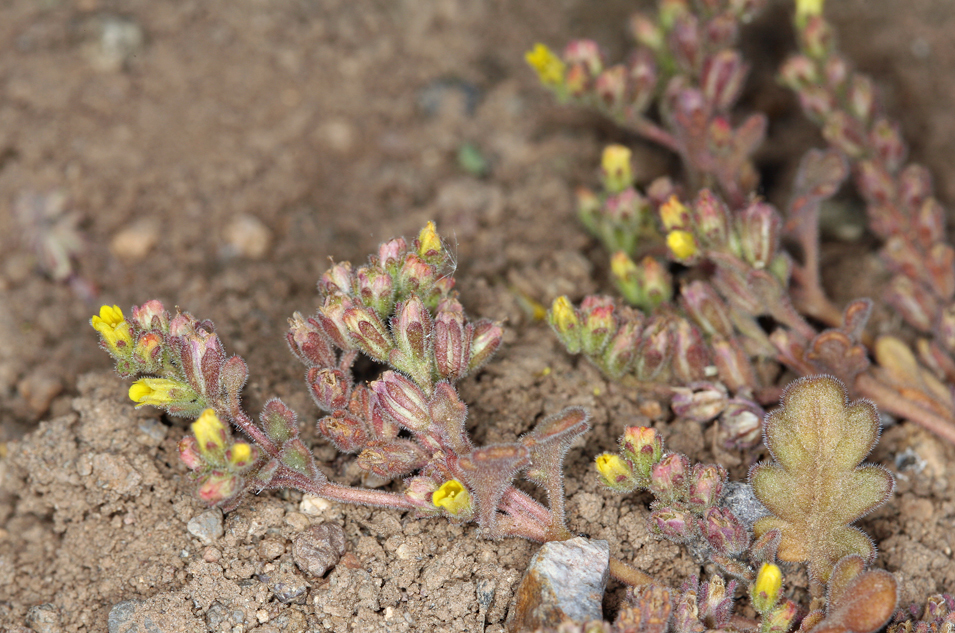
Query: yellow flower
[[157, 391], [615, 163], [453, 498], [563, 315], [682, 244], [622, 267], [240, 455], [428, 240], [549, 67], [615, 472], [674, 214], [114, 329], [808, 8], [210, 434], [769, 583]]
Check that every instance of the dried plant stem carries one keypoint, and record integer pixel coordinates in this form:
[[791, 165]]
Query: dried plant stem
[[627, 574], [891, 401]]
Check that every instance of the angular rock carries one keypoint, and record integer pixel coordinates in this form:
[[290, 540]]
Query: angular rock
[[565, 582], [319, 548], [207, 526]]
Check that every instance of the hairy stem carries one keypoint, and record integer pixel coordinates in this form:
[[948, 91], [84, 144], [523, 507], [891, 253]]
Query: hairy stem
[[889, 400]]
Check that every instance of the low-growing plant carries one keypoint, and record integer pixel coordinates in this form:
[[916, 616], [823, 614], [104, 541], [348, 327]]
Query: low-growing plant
[[716, 316]]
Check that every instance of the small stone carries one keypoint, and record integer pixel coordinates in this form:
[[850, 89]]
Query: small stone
[[134, 242], [38, 388], [207, 527], [270, 549], [319, 548], [742, 502], [211, 555], [287, 586], [565, 582], [121, 617], [314, 506], [44, 618], [112, 41], [247, 237], [297, 521]]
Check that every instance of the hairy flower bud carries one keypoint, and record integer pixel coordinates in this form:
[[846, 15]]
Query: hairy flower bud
[[611, 88], [566, 323], [722, 79], [345, 431], [615, 171], [706, 485], [189, 453], [598, 323], [620, 351], [643, 447], [329, 387], [615, 472], [740, 424], [412, 328], [706, 308], [376, 289], [219, 487], [700, 402], [391, 254], [712, 218], [691, 357], [452, 341], [642, 76], [309, 342], [391, 459], [151, 316], [485, 341], [724, 532], [676, 525], [339, 279], [668, 477], [655, 349], [368, 333], [403, 401], [765, 591], [759, 226]]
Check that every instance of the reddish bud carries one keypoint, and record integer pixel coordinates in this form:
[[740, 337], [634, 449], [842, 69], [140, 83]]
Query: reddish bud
[[930, 222], [915, 187], [886, 139], [706, 308], [151, 316], [861, 98], [724, 532], [685, 43], [712, 218], [816, 102], [722, 79], [691, 357], [845, 133], [233, 375], [655, 348], [646, 32], [700, 402], [420, 491], [816, 38], [448, 414], [452, 341], [331, 316], [706, 485], [338, 279], [345, 431], [309, 343], [189, 453], [412, 329], [836, 71], [368, 333], [585, 53], [298, 457], [916, 305], [329, 388], [392, 459], [218, 487], [758, 226], [403, 401], [597, 323], [721, 32], [643, 76], [741, 424], [391, 254], [620, 351], [671, 523], [732, 364], [875, 184], [798, 73], [643, 447], [611, 88], [416, 275], [486, 340], [668, 477], [376, 289]]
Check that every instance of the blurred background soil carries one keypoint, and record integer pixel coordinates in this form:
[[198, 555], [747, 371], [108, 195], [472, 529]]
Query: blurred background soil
[[216, 154]]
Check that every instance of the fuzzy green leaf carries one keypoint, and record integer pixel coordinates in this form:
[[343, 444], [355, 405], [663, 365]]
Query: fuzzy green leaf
[[815, 487]]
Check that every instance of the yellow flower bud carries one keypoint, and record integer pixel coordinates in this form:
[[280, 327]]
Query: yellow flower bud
[[615, 164], [157, 391], [682, 244], [453, 498], [765, 592], [240, 455], [114, 329], [210, 434], [563, 315], [807, 8], [428, 240], [674, 214], [622, 267], [615, 472], [549, 67]]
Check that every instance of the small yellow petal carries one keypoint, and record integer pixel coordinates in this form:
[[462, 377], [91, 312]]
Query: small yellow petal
[[429, 240], [549, 67], [615, 164], [240, 454], [769, 583], [622, 267], [807, 8], [452, 497], [682, 244], [139, 390], [674, 214], [563, 315], [210, 432]]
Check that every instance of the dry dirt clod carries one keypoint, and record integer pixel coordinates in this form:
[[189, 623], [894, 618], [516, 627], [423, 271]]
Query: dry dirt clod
[[319, 548], [565, 582], [207, 527]]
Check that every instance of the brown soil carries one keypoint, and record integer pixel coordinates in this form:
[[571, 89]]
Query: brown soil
[[218, 161]]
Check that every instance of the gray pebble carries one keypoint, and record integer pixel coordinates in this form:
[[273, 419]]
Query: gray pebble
[[207, 527], [319, 548]]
